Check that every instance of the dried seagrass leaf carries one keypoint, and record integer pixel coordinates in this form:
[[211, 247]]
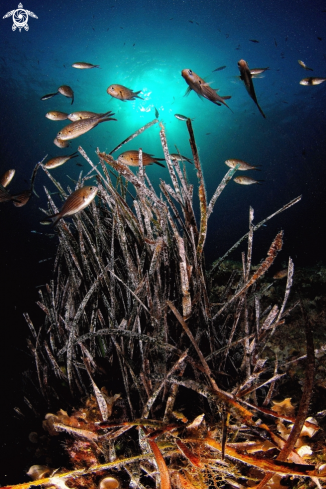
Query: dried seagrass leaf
[[263, 463], [103, 407], [142, 129], [193, 459], [257, 226], [169, 162], [226, 179], [288, 287], [152, 399], [201, 190], [164, 473], [284, 407], [275, 247], [59, 478]]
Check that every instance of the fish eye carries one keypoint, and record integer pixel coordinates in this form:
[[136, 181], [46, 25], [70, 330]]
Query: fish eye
[[112, 88], [189, 72]]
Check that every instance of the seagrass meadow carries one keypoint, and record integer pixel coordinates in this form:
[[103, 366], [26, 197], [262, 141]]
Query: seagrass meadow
[[152, 370], [172, 333]]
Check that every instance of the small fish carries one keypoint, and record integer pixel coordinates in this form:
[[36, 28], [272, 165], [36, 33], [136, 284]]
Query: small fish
[[76, 202], [253, 40], [246, 77], [191, 21], [49, 95], [257, 71], [122, 93], [246, 181], [219, 69], [21, 199], [157, 115], [275, 42], [82, 114], [281, 274], [182, 117], [134, 45], [61, 144], [177, 157], [6, 178], [59, 160], [243, 166], [67, 92], [130, 158], [312, 81], [80, 65], [319, 38], [76, 129], [79, 164], [301, 63], [202, 88], [5, 195], [55, 115]]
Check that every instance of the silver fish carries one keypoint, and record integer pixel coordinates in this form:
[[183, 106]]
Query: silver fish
[[246, 180], [246, 77], [76, 202], [312, 81], [59, 160], [202, 88], [6, 178], [76, 129], [84, 66], [177, 157], [82, 114], [67, 92], [182, 117], [60, 143], [122, 93], [55, 115], [243, 166]]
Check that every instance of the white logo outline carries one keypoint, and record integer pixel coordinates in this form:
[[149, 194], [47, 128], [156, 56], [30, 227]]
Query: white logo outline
[[20, 18]]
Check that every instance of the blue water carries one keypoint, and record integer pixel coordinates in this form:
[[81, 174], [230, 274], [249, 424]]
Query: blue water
[[144, 46]]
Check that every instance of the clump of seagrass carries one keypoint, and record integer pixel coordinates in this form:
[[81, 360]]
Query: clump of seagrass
[[131, 294]]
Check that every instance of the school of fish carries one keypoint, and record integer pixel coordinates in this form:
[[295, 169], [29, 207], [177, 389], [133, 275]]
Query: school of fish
[[83, 121]]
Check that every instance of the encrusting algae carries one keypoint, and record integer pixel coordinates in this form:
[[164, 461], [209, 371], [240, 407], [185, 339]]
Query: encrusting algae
[[172, 386]]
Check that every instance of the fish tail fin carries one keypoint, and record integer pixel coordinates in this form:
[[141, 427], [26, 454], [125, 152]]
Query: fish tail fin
[[52, 219], [262, 113], [158, 163], [72, 100], [226, 97], [259, 182], [107, 114], [137, 96], [187, 91], [257, 169], [106, 117], [74, 155]]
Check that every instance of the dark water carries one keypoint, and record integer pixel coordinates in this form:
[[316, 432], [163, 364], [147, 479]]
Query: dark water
[[144, 46]]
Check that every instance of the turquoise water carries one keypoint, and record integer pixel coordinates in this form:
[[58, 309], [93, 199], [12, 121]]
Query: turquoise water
[[144, 46]]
